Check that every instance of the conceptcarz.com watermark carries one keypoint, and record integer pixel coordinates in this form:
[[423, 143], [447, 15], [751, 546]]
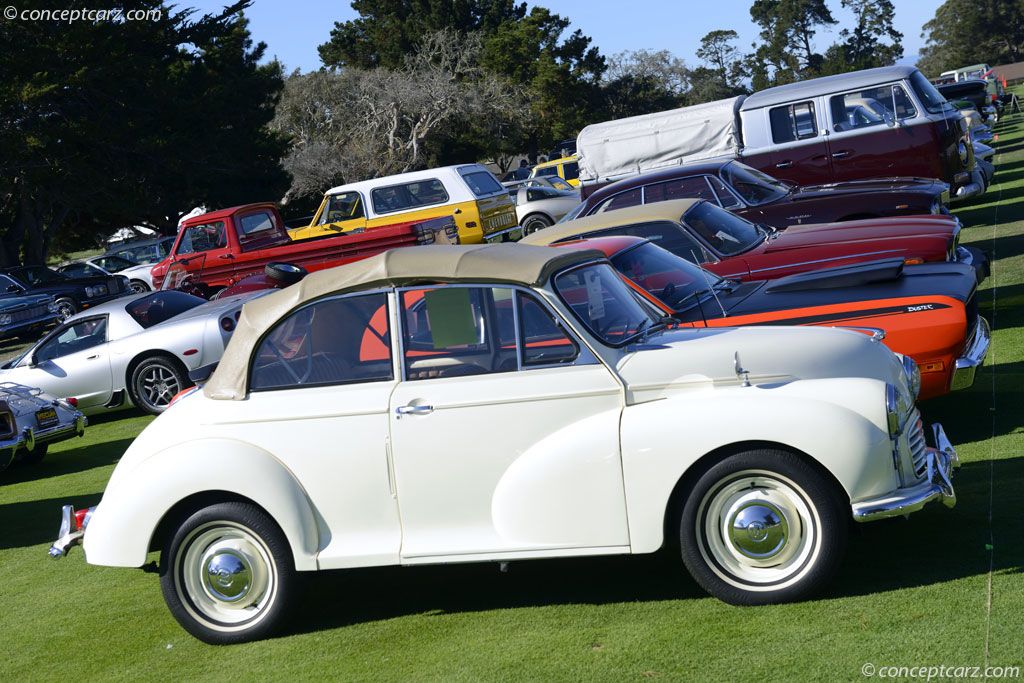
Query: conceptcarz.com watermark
[[940, 672], [12, 13]]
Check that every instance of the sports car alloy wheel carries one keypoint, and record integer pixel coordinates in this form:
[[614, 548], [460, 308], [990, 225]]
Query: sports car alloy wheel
[[226, 574], [761, 527], [155, 382], [65, 308]]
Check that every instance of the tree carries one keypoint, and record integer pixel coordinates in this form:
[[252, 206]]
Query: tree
[[111, 123], [725, 63], [350, 123], [862, 48], [963, 33], [388, 30], [787, 32]]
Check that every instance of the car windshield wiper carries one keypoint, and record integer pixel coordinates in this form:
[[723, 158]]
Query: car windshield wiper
[[646, 328]]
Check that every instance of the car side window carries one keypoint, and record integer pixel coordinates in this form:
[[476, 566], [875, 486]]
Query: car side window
[[622, 200], [571, 170], [680, 188], [725, 198], [339, 340], [455, 331], [668, 236], [256, 222], [542, 339], [203, 237], [343, 206], [80, 336], [793, 122], [408, 196]]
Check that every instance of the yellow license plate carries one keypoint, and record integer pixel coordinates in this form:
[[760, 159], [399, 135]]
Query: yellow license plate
[[47, 417]]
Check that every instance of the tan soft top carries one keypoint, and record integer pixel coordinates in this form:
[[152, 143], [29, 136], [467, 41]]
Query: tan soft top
[[671, 210], [500, 263]]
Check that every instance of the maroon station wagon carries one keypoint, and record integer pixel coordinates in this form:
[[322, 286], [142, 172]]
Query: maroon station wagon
[[760, 198]]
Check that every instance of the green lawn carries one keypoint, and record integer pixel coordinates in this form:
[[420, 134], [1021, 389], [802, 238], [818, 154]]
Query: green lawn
[[942, 588]]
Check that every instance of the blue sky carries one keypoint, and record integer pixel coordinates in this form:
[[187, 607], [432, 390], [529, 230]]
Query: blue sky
[[292, 29]]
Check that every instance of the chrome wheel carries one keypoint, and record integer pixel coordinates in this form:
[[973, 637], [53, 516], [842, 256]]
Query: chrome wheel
[[155, 382], [138, 286], [65, 308], [227, 574], [762, 526], [758, 530]]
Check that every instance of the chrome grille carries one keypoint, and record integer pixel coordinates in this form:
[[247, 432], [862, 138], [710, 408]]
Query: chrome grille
[[29, 313], [916, 443]]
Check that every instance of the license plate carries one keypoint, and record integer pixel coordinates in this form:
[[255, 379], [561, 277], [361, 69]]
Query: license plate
[[47, 417]]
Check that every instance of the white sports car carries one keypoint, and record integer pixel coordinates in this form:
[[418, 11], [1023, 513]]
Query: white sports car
[[136, 350], [139, 277]]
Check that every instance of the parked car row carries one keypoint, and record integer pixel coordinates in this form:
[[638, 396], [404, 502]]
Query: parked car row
[[631, 377]]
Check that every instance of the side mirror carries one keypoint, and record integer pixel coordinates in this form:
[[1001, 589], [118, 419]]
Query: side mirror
[[888, 118]]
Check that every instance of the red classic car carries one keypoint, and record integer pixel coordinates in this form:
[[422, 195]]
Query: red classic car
[[733, 247], [928, 311], [760, 198]]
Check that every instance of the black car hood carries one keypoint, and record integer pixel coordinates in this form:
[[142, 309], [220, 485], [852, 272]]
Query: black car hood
[[886, 279]]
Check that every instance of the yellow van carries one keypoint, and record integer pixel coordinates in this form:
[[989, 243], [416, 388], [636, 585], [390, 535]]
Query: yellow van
[[468, 192], [567, 168]]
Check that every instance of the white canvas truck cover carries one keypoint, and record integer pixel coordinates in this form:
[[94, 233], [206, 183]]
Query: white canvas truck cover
[[625, 147]]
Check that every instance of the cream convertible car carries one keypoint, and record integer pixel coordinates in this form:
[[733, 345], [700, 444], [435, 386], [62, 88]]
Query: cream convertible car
[[529, 407]]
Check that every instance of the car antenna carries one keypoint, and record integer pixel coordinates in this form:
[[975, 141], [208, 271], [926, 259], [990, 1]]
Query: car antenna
[[707, 281]]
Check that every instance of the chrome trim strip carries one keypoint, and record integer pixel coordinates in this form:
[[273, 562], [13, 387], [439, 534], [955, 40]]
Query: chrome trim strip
[[825, 260]]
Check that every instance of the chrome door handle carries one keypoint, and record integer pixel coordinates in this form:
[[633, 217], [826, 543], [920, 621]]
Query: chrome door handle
[[92, 357], [784, 164], [840, 155], [226, 256], [413, 410]]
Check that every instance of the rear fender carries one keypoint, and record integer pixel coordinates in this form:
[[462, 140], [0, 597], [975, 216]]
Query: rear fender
[[122, 526]]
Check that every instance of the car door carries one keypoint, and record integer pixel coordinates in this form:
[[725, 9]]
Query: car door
[[320, 382], [800, 151], [876, 133], [504, 431], [205, 251], [72, 361]]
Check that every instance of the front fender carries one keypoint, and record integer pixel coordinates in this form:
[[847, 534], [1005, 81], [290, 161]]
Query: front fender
[[836, 422], [122, 526]]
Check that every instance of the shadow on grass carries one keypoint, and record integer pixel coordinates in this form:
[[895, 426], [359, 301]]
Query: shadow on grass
[[934, 546], [37, 521], [67, 461]]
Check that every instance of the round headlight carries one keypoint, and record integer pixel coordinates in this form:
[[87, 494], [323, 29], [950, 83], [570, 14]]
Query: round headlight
[[52, 307], [962, 149], [913, 374], [5, 319]]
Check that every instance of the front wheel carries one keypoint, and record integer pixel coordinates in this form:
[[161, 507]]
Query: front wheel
[[226, 574], [155, 381], [65, 308], [762, 527]]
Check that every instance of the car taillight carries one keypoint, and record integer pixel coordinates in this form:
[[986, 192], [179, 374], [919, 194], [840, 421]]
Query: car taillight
[[82, 517], [227, 324], [72, 401], [914, 260]]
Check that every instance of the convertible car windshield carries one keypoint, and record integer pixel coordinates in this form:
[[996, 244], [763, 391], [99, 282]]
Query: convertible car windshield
[[725, 231], [674, 280], [603, 303], [754, 186]]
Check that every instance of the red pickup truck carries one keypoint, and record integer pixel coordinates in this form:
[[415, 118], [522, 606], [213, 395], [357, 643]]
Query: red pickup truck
[[221, 247]]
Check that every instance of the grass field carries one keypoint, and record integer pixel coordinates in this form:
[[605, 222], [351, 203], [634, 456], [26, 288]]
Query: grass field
[[943, 588]]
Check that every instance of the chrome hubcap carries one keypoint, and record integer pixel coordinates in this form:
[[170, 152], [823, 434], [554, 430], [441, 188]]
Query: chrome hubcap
[[227, 573], [758, 528]]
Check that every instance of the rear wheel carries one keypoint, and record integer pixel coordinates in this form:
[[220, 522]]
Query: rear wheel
[[762, 527], [226, 574], [155, 381], [535, 222], [138, 286]]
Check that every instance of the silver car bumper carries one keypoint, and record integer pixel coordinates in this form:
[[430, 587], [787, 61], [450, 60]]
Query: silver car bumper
[[513, 234], [974, 355], [937, 485], [975, 187], [29, 438], [70, 534]]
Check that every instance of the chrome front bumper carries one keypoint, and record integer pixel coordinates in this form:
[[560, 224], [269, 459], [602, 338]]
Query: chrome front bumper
[[973, 188], [29, 438], [937, 486], [974, 355]]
